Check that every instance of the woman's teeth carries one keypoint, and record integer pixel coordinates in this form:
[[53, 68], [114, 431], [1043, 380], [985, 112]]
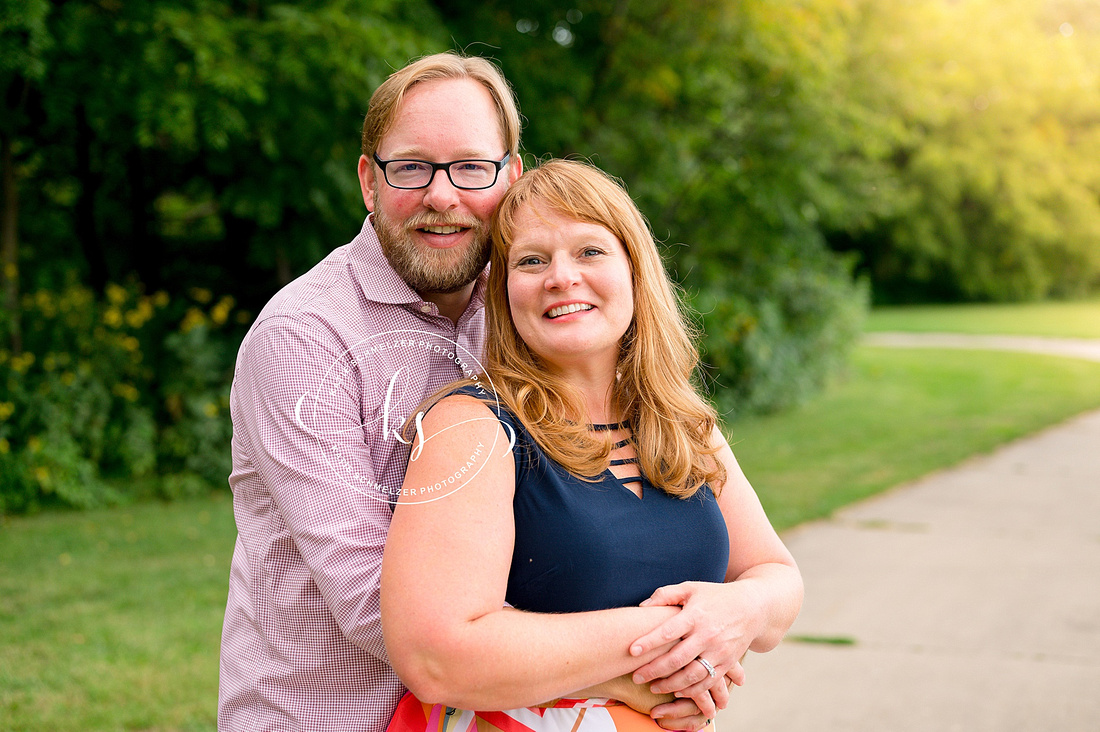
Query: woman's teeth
[[566, 309]]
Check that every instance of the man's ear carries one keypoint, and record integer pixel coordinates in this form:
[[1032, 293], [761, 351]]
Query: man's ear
[[515, 168], [367, 181]]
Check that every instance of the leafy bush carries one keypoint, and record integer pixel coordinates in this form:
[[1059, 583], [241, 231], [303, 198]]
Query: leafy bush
[[116, 398], [771, 341]]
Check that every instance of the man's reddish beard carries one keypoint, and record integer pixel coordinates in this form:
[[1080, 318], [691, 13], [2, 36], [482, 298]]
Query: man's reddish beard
[[432, 270]]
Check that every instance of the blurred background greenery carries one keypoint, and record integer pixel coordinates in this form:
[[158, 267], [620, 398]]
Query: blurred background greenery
[[168, 164]]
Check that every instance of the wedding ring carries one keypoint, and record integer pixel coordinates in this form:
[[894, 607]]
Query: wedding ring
[[706, 664]]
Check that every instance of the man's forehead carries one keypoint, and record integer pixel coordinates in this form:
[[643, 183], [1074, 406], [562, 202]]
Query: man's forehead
[[456, 117]]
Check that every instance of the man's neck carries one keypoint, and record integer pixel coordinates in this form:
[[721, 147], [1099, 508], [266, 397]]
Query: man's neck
[[451, 304]]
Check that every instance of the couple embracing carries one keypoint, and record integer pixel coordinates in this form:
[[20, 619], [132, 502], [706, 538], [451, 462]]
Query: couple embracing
[[485, 497]]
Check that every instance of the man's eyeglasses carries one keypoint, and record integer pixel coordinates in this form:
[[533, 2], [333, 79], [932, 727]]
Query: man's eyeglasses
[[469, 175]]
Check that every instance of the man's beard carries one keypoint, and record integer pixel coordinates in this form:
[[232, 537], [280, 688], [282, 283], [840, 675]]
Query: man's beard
[[430, 270]]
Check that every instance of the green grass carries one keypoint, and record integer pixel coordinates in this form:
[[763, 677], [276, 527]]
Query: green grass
[[1080, 319], [111, 620], [901, 414]]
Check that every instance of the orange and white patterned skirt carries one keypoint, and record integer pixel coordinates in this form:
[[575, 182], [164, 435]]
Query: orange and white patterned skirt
[[563, 715]]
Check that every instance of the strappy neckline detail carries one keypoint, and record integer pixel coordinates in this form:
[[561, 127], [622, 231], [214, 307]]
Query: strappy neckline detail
[[609, 427]]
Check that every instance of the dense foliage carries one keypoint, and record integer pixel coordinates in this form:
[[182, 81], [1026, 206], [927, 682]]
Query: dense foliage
[[795, 157]]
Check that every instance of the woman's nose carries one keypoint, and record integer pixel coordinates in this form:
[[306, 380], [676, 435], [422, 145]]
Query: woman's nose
[[561, 274]]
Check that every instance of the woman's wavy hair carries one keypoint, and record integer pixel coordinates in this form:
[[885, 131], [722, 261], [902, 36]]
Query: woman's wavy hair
[[653, 391]]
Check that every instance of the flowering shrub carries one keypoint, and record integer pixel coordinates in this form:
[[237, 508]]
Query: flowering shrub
[[115, 398]]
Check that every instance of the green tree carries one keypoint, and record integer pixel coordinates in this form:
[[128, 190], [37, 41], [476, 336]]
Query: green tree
[[726, 120], [996, 106], [192, 150], [24, 41], [207, 141]]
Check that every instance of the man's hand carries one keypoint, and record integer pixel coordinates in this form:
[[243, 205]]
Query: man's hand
[[682, 714], [668, 711]]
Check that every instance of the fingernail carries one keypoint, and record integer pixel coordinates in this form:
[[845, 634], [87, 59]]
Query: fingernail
[[635, 650]]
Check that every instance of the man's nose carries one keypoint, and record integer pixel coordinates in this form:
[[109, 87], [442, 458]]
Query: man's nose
[[440, 195]]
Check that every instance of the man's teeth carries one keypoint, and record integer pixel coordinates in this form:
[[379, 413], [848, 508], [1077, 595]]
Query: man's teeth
[[566, 309], [442, 229]]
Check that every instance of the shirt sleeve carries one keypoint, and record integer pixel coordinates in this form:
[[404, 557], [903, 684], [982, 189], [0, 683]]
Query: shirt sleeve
[[300, 423]]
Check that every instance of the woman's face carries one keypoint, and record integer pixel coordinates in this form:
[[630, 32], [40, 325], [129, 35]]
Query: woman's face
[[569, 289]]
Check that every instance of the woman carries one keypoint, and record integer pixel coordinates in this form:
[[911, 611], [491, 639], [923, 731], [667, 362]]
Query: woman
[[534, 577]]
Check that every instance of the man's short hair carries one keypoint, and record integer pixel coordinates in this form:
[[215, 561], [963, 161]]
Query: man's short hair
[[386, 100]]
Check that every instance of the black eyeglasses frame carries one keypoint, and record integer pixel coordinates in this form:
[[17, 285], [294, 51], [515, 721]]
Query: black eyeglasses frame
[[436, 167]]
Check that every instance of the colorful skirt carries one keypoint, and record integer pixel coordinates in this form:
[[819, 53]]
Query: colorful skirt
[[563, 715]]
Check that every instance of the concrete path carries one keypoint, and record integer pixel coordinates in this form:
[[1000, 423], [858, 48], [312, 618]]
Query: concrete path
[[1074, 347], [969, 600]]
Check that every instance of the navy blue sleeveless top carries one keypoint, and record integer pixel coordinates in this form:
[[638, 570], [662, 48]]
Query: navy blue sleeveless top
[[584, 545]]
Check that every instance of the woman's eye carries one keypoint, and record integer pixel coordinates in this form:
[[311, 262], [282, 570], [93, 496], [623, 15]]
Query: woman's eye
[[527, 261], [592, 252]]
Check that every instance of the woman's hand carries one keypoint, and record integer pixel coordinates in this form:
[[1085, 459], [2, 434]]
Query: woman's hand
[[716, 623]]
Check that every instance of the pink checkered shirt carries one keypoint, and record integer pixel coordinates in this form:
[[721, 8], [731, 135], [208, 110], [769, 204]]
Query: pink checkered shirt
[[332, 366]]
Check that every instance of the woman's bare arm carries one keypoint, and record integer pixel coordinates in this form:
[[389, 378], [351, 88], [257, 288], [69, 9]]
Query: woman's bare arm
[[445, 572]]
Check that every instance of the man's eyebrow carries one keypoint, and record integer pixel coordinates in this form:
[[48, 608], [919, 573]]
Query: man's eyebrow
[[413, 153]]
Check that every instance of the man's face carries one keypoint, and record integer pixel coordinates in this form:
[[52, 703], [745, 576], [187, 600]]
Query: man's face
[[437, 238]]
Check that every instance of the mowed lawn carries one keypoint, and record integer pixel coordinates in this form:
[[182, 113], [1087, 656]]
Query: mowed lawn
[[900, 414], [111, 620], [1074, 319]]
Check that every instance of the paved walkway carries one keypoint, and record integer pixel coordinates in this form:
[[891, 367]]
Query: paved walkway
[[1075, 347], [969, 600]]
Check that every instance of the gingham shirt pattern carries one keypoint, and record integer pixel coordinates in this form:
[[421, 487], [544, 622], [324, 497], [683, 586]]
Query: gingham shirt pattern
[[331, 366]]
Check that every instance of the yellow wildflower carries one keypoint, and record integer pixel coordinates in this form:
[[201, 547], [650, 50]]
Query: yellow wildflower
[[20, 364], [160, 298], [44, 301], [140, 315], [7, 409], [210, 409], [112, 317], [116, 294], [201, 294], [126, 391], [193, 318], [220, 312], [5, 446]]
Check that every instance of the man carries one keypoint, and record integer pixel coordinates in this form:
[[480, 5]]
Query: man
[[328, 372], [325, 379]]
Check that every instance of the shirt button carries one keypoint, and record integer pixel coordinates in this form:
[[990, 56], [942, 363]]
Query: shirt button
[[425, 308]]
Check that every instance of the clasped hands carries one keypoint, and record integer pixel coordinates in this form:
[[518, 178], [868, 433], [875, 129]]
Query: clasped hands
[[712, 625]]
